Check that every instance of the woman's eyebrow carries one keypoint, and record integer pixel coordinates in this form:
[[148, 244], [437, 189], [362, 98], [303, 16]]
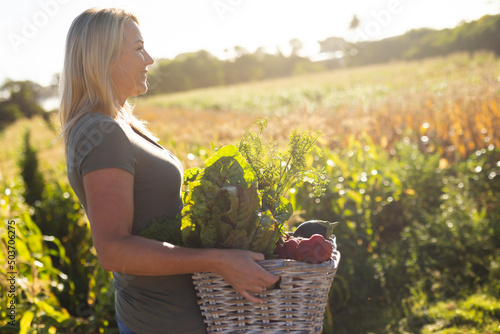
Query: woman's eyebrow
[[140, 40]]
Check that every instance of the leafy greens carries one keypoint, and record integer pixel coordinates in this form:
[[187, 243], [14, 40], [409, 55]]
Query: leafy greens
[[222, 206], [237, 199]]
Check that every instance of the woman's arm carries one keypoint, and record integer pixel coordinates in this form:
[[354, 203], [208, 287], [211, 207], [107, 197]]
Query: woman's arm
[[110, 209]]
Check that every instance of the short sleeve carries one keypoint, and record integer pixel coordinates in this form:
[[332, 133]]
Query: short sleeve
[[102, 144]]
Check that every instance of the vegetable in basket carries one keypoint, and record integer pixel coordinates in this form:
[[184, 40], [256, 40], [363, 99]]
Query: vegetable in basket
[[312, 242], [223, 206], [237, 199]]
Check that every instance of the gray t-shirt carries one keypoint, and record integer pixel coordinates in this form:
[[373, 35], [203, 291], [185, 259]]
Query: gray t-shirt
[[146, 304]]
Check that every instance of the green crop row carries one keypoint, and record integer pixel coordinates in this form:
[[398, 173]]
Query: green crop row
[[413, 235]]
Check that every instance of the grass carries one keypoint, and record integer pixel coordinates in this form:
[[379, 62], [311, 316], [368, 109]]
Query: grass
[[43, 138], [361, 89], [477, 314]]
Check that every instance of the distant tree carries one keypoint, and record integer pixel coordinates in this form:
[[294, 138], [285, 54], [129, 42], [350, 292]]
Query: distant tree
[[9, 112], [354, 24], [26, 95], [247, 67], [260, 52], [274, 65], [20, 98], [296, 46], [240, 51], [203, 69], [187, 71], [332, 44], [351, 50]]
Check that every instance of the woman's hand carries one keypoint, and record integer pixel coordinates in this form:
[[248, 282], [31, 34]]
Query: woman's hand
[[238, 268]]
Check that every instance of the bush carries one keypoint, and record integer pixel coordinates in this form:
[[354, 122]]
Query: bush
[[363, 195], [476, 314], [456, 247], [66, 240], [60, 284], [32, 177], [37, 282], [410, 233]]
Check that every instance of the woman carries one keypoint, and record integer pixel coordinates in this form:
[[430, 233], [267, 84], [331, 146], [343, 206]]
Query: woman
[[124, 179]]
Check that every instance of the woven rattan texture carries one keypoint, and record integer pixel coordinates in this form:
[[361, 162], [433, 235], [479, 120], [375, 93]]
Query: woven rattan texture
[[295, 305]]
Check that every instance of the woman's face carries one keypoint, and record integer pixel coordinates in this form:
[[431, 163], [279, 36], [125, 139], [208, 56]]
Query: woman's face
[[128, 74]]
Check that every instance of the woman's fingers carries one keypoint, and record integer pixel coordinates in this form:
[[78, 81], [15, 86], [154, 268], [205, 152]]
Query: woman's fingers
[[250, 297], [250, 294], [246, 276], [265, 276], [256, 256], [269, 278]]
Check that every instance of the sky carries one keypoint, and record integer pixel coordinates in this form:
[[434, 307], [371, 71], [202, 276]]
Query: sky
[[33, 32]]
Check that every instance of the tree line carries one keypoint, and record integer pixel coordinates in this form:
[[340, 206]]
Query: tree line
[[482, 34], [19, 99], [201, 69]]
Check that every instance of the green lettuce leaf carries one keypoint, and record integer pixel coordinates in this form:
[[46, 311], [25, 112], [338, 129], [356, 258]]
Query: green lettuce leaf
[[249, 204], [221, 208], [228, 167], [266, 228]]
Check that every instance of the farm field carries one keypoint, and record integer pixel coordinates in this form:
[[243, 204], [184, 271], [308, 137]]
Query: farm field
[[453, 100], [449, 99], [412, 153]]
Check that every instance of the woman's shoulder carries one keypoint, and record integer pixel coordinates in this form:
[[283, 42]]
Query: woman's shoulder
[[91, 121], [94, 125], [97, 134]]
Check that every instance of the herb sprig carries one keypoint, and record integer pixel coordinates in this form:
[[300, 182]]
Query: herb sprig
[[278, 171]]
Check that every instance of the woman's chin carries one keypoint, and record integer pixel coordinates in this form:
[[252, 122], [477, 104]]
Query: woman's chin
[[141, 89]]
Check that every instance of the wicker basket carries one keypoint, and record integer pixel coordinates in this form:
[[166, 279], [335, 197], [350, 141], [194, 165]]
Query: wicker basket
[[296, 306]]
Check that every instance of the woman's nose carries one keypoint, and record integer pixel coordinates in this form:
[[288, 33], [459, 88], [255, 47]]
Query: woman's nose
[[149, 60]]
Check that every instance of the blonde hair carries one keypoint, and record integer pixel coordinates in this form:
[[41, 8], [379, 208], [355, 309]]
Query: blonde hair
[[94, 43]]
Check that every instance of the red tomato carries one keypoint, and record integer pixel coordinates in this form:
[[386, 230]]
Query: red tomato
[[280, 251], [316, 249], [290, 247]]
